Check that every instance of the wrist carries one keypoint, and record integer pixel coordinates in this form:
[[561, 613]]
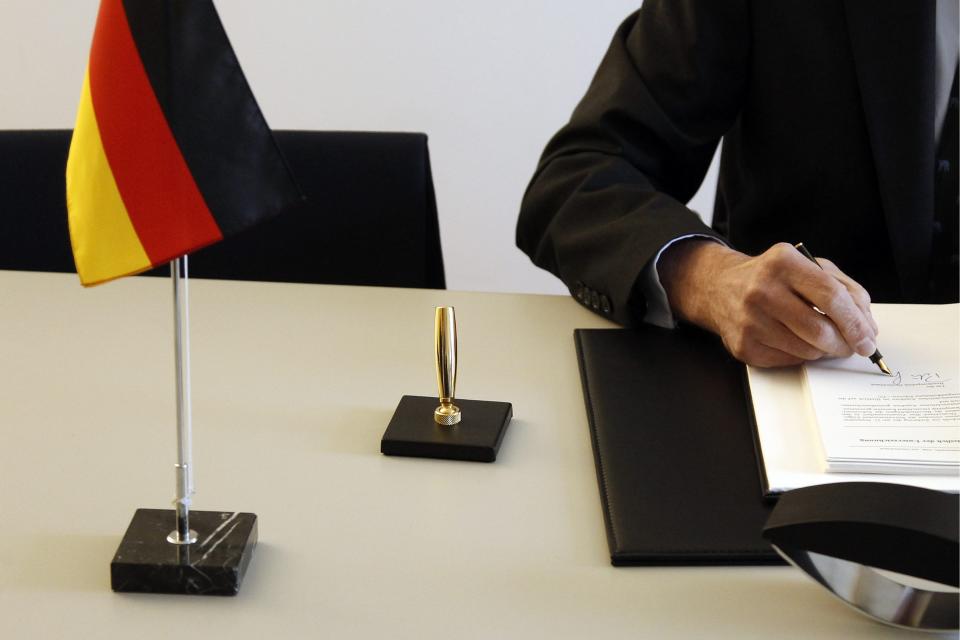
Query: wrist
[[690, 271]]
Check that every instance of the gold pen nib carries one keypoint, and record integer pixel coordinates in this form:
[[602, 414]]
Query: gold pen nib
[[877, 359]]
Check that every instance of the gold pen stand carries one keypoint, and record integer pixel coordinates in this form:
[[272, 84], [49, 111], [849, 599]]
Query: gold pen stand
[[445, 426]]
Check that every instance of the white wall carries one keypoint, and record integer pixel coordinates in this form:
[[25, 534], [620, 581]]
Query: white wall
[[488, 81]]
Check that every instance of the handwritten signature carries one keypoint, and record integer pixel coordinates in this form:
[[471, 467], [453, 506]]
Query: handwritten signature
[[917, 378]]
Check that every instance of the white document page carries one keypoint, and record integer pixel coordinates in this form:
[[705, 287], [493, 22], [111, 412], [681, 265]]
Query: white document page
[[786, 428], [908, 422]]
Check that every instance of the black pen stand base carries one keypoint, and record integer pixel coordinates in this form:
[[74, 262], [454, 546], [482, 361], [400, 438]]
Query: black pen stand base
[[213, 565], [413, 432]]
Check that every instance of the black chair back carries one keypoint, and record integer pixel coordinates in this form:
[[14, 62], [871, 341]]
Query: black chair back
[[370, 215]]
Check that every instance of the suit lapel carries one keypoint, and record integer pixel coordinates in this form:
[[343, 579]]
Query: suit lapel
[[893, 48]]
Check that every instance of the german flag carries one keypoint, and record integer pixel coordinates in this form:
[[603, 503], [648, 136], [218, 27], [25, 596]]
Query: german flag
[[170, 151]]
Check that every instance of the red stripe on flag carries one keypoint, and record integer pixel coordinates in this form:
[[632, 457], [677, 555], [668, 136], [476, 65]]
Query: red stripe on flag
[[163, 201]]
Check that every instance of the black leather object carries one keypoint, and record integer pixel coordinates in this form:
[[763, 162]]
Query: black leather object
[[906, 529], [370, 217], [673, 448]]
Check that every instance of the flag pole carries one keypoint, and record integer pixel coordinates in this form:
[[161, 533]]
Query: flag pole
[[181, 344]]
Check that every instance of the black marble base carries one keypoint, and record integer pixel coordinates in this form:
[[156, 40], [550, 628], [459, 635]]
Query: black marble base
[[213, 565], [413, 432]]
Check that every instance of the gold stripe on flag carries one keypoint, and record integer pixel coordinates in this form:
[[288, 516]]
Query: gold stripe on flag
[[104, 241]]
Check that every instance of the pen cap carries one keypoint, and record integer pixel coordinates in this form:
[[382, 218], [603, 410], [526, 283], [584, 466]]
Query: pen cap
[[445, 337]]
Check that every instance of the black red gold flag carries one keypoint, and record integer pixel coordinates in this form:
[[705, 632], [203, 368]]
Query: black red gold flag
[[170, 151]]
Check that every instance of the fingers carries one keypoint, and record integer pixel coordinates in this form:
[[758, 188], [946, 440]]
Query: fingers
[[829, 294], [815, 329], [781, 338], [860, 296], [834, 300], [775, 315], [758, 354], [763, 340]]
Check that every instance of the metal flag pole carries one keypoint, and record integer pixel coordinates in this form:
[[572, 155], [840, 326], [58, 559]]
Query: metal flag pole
[[181, 342]]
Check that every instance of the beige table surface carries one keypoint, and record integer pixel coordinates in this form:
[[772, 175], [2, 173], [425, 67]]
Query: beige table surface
[[293, 386]]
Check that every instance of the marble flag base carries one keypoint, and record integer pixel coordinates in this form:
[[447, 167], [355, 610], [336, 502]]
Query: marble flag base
[[213, 565]]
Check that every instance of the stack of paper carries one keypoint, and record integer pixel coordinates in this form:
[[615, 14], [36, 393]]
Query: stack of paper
[[909, 422], [844, 415]]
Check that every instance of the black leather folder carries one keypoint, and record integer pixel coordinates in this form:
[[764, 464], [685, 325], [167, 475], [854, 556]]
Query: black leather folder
[[673, 448]]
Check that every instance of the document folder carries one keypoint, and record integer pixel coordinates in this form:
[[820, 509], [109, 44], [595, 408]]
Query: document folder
[[673, 448]]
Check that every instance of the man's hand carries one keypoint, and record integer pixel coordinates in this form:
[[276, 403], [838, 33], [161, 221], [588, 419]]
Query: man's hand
[[762, 307]]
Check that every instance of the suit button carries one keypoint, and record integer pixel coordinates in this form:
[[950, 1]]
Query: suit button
[[595, 300], [578, 291], [605, 305]]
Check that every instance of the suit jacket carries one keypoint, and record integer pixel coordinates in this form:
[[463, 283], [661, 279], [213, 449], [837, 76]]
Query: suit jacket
[[826, 111]]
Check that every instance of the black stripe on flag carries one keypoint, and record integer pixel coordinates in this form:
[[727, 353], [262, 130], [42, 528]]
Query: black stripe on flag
[[211, 111]]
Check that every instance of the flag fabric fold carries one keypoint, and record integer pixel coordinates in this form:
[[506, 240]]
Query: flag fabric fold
[[170, 151]]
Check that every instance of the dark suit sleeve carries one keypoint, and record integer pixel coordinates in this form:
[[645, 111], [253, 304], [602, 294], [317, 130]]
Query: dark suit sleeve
[[610, 189]]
